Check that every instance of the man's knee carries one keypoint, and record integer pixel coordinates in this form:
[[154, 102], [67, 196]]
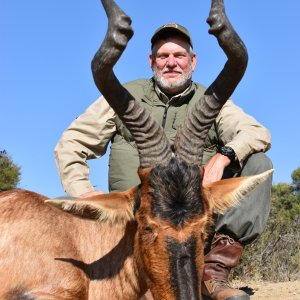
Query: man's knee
[[256, 164]]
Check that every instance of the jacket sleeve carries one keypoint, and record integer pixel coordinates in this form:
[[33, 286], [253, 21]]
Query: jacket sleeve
[[241, 132], [86, 138]]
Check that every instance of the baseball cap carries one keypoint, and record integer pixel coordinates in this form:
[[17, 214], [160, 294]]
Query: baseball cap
[[171, 27]]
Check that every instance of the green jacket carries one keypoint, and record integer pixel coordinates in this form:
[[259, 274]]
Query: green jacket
[[90, 134], [122, 172]]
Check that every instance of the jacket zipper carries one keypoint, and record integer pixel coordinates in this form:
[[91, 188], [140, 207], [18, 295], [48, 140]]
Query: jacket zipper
[[165, 116]]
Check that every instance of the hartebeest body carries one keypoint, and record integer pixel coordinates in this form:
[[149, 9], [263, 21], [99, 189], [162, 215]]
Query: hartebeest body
[[151, 236]]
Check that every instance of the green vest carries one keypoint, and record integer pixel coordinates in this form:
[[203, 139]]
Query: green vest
[[124, 160]]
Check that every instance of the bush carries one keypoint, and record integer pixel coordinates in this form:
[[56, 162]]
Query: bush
[[10, 173], [275, 256]]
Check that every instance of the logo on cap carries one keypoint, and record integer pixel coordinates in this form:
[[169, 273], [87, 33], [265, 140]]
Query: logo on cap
[[171, 25]]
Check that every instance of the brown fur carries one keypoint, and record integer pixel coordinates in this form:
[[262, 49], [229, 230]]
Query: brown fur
[[69, 257], [49, 252], [153, 234]]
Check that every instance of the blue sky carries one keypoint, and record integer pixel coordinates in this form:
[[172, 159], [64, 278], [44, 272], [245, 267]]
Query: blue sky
[[46, 82]]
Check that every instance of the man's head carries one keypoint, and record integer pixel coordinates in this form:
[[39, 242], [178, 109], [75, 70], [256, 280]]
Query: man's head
[[172, 59]]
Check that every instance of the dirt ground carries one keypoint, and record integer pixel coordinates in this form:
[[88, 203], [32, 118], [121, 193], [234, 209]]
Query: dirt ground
[[266, 290], [271, 291]]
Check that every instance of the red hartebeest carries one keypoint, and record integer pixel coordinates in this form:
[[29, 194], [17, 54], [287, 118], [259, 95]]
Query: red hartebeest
[[149, 237]]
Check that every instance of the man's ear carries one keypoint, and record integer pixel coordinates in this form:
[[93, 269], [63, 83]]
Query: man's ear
[[194, 61], [151, 58], [115, 208], [227, 193]]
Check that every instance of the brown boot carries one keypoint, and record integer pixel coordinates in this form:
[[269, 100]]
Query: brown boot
[[225, 253]]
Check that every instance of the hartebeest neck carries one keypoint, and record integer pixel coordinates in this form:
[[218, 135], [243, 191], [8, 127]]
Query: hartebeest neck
[[112, 264]]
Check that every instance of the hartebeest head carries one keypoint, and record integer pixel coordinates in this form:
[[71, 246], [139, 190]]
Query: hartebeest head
[[171, 207]]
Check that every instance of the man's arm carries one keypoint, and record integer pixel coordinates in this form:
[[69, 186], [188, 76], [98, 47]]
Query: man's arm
[[242, 133], [86, 138]]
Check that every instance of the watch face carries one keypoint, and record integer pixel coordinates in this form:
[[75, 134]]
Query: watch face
[[227, 151]]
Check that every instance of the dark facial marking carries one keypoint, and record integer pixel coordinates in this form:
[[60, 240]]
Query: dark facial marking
[[176, 192], [137, 200], [183, 268]]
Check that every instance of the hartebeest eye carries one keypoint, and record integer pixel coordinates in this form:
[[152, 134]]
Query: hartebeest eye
[[148, 229], [149, 234]]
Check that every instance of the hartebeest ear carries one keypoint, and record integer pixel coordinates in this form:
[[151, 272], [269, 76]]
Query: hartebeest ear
[[227, 193], [115, 208]]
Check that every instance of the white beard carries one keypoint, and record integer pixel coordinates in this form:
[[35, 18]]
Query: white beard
[[172, 87]]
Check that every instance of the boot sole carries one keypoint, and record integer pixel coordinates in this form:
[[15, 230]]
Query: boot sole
[[237, 297]]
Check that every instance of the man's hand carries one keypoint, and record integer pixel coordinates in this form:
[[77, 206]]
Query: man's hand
[[93, 193], [213, 170]]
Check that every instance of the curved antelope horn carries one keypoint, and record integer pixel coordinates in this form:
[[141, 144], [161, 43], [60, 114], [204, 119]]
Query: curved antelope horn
[[191, 136], [152, 144]]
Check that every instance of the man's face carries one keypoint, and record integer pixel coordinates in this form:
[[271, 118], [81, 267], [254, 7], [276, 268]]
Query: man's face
[[173, 63]]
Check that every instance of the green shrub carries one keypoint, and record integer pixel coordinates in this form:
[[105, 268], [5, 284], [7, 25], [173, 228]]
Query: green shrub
[[275, 256], [9, 172]]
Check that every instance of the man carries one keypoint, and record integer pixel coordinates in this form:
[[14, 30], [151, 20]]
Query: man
[[235, 146]]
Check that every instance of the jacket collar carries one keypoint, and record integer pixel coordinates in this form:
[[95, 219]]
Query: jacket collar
[[154, 95]]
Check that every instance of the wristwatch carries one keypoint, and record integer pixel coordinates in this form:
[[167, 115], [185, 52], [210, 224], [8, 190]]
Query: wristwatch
[[227, 151]]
